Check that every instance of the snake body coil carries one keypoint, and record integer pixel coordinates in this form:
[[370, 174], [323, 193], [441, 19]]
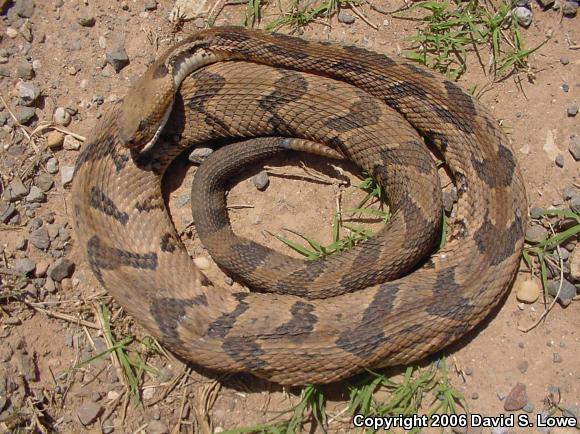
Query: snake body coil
[[133, 250]]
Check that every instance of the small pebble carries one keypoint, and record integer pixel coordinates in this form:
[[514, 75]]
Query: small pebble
[[564, 60], [527, 291], [559, 160], [15, 190], [52, 165], [567, 293], [536, 233], [572, 110], [11, 32], [523, 16], [261, 180], [475, 395], [24, 266], [71, 144], [228, 280], [61, 117], [27, 92], [575, 204], [36, 195], [574, 147], [575, 266], [40, 239], [54, 139], [516, 399], [117, 57], [41, 268], [25, 71], [557, 358], [86, 20], [345, 18], [569, 192], [565, 87], [88, 412], [61, 269], [570, 8], [536, 212], [199, 154], [24, 114], [523, 366], [66, 174]]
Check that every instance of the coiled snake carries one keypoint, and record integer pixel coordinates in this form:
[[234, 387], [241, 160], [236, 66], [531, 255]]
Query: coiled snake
[[133, 250]]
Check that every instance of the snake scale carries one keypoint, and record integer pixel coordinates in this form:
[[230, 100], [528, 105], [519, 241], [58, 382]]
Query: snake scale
[[132, 248]]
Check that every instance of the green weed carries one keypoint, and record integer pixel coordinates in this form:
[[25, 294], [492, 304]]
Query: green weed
[[448, 31]]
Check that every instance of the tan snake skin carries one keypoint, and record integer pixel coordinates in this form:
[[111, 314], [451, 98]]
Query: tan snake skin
[[133, 250]]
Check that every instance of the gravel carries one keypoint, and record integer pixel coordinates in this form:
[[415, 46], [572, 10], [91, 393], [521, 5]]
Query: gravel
[[39, 239], [88, 412], [71, 144], [61, 116], [66, 174], [567, 293], [574, 147], [86, 20], [36, 195], [199, 154], [15, 190], [572, 110], [61, 269], [25, 266], [523, 16], [261, 180], [345, 18], [117, 57], [24, 114], [570, 8], [559, 160], [516, 399], [44, 182], [27, 92], [536, 233]]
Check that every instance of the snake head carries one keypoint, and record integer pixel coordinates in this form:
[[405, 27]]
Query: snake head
[[145, 108]]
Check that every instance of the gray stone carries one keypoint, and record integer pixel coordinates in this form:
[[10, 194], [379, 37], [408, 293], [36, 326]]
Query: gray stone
[[7, 210], [261, 180], [572, 110], [557, 358], [118, 57], [546, 3], [52, 165], [564, 60], [536, 233], [27, 92], [44, 181], [536, 212], [66, 174], [559, 160], [25, 266], [448, 201], [523, 16], [61, 116], [344, 17], [574, 147], [567, 293], [528, 408], [565, 87], [199, 154], [24, 114], [569, 192], [61, 269], [40, 239], [25, 71], [24, 8], [570, 8], [36, 195], [86, 20], [71, 144], [575, 204], [15, 190], [88, 412]]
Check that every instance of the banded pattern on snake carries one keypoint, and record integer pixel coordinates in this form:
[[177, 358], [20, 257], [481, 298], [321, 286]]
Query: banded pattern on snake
[[133, 249]]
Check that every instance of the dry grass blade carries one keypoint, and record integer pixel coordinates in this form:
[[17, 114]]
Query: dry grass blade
[[204, 402]]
